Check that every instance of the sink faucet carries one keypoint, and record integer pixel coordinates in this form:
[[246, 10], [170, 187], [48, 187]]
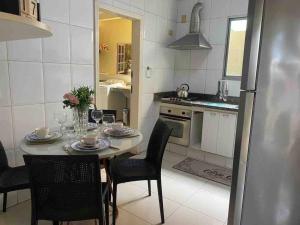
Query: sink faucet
[[223, 90]]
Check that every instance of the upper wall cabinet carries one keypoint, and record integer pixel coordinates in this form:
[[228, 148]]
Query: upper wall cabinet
[[15, 27]]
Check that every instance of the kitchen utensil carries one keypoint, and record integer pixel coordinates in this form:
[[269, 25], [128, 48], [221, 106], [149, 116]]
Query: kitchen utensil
[[183, 91]]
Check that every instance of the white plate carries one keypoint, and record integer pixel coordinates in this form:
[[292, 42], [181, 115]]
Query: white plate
[[51, 137], [102, 145], [121, 132]]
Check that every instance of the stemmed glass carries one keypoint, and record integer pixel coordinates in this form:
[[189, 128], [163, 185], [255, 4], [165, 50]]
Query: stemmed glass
[[61, 119], [108, 119], [97, 115]]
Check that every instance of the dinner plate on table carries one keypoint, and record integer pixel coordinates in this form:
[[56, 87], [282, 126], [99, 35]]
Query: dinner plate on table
[[100, 145], [119, 132], [51, 137]]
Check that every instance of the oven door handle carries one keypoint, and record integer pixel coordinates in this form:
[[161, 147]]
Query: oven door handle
[[174, 118]]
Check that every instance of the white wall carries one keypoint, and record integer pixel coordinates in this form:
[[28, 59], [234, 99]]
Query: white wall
[[203, 68], [34, 74], [159, 16]]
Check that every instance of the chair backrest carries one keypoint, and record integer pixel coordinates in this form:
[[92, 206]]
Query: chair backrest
[[3, 159], [105, 112], [65, 188], [157, 143]]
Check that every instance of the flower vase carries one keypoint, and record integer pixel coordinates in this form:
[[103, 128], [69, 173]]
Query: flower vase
[[80, 117]]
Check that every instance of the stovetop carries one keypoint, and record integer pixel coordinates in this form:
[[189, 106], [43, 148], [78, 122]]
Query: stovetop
[[196, 101]]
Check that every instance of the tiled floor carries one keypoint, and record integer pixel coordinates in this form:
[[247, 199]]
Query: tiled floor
[[188, 200]]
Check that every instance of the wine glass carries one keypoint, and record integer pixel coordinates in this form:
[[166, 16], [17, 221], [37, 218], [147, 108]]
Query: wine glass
[[61, 119], [97, 116], [108, 119]]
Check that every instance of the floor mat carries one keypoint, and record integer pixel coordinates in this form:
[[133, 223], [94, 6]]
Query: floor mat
[[206, 170]]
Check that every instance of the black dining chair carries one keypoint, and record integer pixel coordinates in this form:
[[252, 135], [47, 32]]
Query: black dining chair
[[128, 170], [11, 178], [66, 188]]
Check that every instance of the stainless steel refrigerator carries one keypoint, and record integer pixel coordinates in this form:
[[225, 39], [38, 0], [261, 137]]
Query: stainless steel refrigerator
[[266, 170]]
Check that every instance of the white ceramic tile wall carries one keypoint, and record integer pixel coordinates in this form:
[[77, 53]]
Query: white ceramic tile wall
[[34, 74], [159, 21], [203, 68]]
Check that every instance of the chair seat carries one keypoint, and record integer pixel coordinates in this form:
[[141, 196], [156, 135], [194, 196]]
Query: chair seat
[[132, 170], [14, 179]]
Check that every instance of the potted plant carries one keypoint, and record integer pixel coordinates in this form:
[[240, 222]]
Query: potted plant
[[79, 101]]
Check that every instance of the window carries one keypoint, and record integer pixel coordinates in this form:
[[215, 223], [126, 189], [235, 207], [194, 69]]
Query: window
[[235, 48]]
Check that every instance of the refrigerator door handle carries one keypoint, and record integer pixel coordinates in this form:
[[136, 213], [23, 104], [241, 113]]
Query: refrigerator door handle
[[252, 44]]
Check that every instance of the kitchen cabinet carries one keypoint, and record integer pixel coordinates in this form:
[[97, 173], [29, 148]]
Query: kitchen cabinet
[[226, 134], [218, 133], [210, 131]]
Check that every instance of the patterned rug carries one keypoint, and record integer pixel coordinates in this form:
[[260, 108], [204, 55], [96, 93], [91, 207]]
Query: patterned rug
[[206, 170]]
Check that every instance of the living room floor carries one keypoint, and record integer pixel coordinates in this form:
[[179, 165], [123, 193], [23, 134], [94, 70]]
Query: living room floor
[[188, 200]]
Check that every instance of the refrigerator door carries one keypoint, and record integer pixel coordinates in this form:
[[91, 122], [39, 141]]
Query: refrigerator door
[[252, 44], [240, 157], [272, 185]]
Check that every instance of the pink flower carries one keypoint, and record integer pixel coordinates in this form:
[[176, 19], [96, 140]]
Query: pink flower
[[67, 96], [74, 100], [71, 98]]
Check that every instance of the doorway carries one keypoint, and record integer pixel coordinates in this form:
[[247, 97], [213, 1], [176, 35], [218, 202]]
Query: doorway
[[117, 65]]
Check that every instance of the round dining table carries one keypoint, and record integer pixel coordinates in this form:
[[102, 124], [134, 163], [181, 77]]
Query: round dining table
[[62, 147]]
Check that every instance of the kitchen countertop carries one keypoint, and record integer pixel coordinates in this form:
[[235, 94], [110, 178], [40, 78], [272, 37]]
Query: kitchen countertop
[[203, 100]]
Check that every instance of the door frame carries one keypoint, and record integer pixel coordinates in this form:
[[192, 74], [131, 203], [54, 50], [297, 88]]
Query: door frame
[[137, 40]]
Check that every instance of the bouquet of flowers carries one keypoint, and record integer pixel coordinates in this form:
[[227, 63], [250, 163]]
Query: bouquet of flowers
[[79, 98]]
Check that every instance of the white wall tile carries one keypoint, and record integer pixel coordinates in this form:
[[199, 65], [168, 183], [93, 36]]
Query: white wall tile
[[211, 81], [217, 31], [197, 81], [11, 156], [162, 80], [238, 7], [219, 8], [122, 4], [216, 57], [147, 105], [56, 77], [80, 13], [3, 52], [57, 47], [204, 28], [6, 131], [180, 77], [82, 75], [25, 50], [185, 9], [4, 85], [50, 109], [150, 53], [150, 31], [27, 119], [26, 81], [182, 29], [138, 4], [56, 10], [207, 7], [152, 6], [81, 45], [182, 60], [199, 59]]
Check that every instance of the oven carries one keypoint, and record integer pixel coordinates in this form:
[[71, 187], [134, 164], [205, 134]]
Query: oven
[[180, 121]]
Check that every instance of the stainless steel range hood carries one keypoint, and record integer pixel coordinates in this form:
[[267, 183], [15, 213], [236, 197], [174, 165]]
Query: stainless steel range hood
[[194, 39]]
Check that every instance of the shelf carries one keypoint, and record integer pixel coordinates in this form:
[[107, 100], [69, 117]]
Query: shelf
[[14, 27]]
